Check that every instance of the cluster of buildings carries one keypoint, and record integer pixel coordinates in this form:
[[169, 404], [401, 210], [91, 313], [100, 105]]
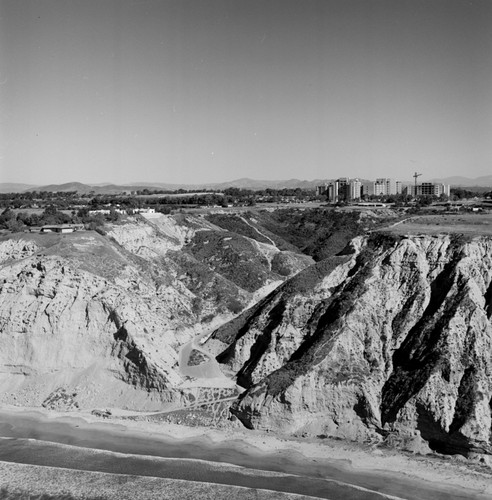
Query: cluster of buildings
[[57, 228], [107, 211], [345, 189]]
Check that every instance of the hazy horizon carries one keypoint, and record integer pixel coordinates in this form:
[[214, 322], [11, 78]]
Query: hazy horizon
[[452, 180], [187, 92]]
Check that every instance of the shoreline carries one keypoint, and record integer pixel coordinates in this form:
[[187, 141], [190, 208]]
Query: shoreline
[[57, 482], [274, 453]]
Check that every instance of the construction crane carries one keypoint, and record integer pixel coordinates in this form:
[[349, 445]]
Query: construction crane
[[415, 176]]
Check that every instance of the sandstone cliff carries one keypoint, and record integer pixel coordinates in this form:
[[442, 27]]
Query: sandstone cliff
[[102, 334], [392, 336], [99, 320]]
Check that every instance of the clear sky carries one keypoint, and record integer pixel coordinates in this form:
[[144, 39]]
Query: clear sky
[[213, 90]]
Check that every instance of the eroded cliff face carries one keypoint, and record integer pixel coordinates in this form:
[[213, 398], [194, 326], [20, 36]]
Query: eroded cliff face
[[393, 336], [105, 336], [390, 337], [99, 320], [224, 270]]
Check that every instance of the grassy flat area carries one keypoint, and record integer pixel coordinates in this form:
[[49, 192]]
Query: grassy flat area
[[474, 224], [87, 250]]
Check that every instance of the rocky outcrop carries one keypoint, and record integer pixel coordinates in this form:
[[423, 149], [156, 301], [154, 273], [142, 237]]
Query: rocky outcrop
[[154, 234], [14, 249], [393, 336]]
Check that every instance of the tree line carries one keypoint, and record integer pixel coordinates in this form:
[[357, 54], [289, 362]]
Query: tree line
[[18, 221]]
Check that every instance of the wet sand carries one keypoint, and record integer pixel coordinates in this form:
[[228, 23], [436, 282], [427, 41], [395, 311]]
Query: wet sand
[[199, 455]]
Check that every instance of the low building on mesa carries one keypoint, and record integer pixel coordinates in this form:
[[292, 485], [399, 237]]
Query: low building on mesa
[[61, 228]]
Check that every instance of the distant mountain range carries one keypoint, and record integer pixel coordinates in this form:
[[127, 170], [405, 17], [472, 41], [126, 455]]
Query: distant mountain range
[[458, 181], [244, 183], [15, 187]]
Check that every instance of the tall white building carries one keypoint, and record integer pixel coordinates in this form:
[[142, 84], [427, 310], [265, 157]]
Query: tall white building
[[355, 187], [379, 187], [384, 186], [391, 186]]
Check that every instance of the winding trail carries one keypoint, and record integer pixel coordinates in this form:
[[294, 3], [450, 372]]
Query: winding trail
[[390, 226], [258, 231]]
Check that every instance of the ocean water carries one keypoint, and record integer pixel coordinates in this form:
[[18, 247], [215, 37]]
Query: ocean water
[[30, 440]]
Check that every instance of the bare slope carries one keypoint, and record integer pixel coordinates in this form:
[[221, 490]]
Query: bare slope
[[79, 314], [395, 338], [89, 319]]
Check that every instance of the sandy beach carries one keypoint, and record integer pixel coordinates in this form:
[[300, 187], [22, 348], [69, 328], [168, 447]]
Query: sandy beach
[[371, 469]]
